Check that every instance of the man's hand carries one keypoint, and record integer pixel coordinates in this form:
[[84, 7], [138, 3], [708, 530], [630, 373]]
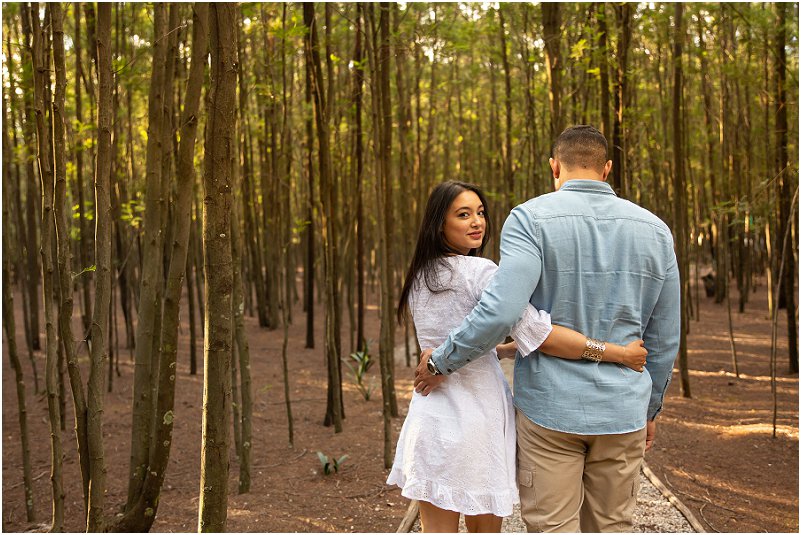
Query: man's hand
[[650, 434], [424, 382]]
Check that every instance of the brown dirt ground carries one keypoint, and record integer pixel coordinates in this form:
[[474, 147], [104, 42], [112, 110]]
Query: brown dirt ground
[[715, 450]]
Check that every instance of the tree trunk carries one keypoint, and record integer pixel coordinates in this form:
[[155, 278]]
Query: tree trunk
[[33, 198], [102, 303], [508, 172], [25, 244], [243, 353], [41, 108], [9, 324], [603, 53], [152, 268], [786, 181], [308, 269], [327, 210], [551, 34], [140, 517], [60, 211], [85, 241], [219, 157], [623, 14], [680, 192]]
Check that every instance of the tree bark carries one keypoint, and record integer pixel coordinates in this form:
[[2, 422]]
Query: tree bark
[[152, 269], [9, 324], [219, 157], [41, 108], [102, 303], [140, 517], [326, 210], [680, 192], [623, 14], [85, 241], [551, 34], [33, 198], [786, 181], [64, 248]]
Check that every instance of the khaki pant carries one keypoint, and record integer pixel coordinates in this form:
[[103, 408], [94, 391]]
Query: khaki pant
[[573, 483]]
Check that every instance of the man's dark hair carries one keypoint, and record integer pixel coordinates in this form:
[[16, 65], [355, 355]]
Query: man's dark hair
[[581, 146]]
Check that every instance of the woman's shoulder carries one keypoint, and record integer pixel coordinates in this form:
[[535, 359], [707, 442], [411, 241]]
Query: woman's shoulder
[[476, 263]]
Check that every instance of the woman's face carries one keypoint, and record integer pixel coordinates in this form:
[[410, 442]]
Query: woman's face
[[464, 223]]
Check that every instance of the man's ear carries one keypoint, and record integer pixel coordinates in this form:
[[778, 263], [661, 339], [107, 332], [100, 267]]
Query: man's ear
[[607, 169], [556, 167]]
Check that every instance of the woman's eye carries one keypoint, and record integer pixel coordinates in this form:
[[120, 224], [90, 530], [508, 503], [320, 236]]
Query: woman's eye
[[463, 214], [482, 213]]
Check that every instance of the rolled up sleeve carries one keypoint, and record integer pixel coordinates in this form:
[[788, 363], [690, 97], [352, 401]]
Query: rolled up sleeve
[[662, 336]]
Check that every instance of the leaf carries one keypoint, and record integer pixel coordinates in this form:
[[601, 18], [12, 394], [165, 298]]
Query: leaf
[[578, 49]]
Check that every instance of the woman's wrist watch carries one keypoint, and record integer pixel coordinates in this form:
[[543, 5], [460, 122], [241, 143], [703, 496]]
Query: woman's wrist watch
[[432, 368]]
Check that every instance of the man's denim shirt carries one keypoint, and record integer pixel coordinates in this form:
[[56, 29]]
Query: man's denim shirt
[[602, 266]]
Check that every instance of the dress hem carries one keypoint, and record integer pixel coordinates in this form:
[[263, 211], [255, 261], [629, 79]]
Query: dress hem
[[443, 496]]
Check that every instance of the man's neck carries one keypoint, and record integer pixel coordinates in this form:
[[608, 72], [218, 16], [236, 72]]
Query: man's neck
[[564, 178]]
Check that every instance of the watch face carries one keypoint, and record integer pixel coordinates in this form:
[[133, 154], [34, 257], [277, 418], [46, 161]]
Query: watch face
[[431, 368]]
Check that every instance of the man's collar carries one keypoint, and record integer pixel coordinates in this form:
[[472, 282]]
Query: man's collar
[[590, 186]]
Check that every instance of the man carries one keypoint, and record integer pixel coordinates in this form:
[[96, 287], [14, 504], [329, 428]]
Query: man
[[604, 267]]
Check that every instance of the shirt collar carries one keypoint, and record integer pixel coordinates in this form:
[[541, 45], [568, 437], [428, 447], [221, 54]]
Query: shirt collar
[[589, 186]]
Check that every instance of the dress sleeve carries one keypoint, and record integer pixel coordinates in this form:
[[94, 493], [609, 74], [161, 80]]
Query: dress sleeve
[[531, 330], [483, 271]]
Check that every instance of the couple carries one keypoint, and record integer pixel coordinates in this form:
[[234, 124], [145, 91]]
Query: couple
[[579, 260]]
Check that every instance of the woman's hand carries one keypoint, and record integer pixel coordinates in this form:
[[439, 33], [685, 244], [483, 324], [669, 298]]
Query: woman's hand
[[506, 351], [634, 355]]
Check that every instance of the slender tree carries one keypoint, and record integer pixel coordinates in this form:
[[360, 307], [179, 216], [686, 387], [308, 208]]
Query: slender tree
[[9, 326], [219, 157], [43, 111], [680, 192], [102, 303], [151, 281]]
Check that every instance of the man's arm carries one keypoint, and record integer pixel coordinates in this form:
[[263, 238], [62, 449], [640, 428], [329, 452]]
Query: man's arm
[[502, 302], [662, 336]]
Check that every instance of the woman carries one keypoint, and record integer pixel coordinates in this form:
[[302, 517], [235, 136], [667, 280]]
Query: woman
[[456, 451]]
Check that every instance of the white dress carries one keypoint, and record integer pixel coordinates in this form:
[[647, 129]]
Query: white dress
[[456, 449]]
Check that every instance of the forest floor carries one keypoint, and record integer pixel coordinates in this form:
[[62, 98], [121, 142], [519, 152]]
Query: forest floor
[[714, 450]]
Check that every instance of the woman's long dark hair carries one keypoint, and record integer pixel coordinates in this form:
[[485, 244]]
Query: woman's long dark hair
[[431, 246]]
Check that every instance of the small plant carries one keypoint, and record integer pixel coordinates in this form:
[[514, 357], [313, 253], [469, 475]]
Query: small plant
[[363, 361], [330, 465]]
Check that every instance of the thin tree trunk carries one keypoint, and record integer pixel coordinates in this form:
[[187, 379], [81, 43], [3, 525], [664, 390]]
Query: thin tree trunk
[[623, 14], [26, 241], [41, 107], [33, 198], [152, 268], [11, 330], [786, 180], [552, 32], [508, 172], [60, 210], [85, 241], [219, 157], [140, 516], [680, 193], [327, 211], [243, 353], [99, 354]]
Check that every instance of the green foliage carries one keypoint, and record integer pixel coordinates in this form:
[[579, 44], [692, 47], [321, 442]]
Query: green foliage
[[132, 212], [363, 362], [330, 466]]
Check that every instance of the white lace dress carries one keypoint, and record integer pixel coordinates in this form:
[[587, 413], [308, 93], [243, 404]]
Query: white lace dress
[[456, 449]]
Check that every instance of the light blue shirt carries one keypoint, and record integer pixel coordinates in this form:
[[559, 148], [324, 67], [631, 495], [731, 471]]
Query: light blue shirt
[[600, 265]]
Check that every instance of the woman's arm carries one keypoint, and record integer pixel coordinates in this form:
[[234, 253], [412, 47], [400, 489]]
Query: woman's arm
[[569, 344]]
